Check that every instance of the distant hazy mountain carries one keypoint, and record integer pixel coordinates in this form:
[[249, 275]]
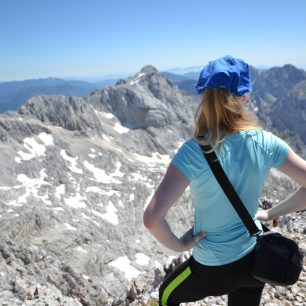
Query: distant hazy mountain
[[14, 94], [176, 78], [185, 81], [186, 70]]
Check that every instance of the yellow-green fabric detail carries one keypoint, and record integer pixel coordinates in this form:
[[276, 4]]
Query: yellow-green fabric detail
[[175, 283]]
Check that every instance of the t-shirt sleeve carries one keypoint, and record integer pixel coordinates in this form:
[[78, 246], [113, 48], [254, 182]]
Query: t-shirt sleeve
[[180, 160], [184, 159], [278, 150]]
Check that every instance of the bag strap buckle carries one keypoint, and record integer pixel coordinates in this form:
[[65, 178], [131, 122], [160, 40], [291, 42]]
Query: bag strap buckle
[[257, 234]]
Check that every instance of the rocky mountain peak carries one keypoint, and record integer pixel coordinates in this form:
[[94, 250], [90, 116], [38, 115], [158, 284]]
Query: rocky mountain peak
[[293, 119], [287, 72], [290, 73], [290, 67], [145, 76], [149, 69], [278, 81], [142, 105], [147, 101]]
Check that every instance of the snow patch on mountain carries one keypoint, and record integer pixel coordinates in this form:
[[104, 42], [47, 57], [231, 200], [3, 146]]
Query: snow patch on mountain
[[34, 148], [124, 264]]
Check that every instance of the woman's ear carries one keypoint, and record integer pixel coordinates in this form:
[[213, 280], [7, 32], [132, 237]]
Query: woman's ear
[[244, 98]]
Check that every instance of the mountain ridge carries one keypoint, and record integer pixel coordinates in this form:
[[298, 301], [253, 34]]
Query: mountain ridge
[[13, 94]]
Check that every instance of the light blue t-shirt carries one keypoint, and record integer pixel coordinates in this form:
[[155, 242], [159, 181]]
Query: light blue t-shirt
[[246, 158]]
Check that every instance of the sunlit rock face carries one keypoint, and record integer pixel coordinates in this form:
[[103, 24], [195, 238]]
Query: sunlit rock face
[[76, 176]]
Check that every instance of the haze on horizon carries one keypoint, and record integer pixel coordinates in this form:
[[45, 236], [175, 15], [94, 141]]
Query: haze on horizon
[[94, 39]]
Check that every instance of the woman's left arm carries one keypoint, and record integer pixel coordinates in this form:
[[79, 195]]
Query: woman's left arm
[[170, 189]]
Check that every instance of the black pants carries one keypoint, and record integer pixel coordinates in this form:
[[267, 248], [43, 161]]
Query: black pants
[[192, 281]]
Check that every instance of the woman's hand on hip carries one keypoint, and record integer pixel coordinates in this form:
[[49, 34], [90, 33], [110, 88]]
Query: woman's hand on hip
[[188, 240], [262, 215]]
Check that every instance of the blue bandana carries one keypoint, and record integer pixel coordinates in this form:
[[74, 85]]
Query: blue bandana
[[228, 73]]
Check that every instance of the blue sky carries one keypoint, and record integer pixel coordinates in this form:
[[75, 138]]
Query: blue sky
[[91, 38]]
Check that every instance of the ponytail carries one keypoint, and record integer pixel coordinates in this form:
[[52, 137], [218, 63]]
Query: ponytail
[[220, 113]]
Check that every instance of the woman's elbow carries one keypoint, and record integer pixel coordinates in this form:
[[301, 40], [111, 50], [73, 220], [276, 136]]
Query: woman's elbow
[[148, 219], [151, 216]]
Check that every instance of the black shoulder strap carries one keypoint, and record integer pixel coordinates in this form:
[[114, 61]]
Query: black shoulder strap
[[229, 190]]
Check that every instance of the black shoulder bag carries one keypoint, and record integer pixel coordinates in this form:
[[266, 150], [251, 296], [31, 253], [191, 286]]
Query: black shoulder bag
[[278, 260]]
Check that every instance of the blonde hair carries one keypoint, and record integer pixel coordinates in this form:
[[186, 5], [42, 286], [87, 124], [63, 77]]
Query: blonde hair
[[221, 113]]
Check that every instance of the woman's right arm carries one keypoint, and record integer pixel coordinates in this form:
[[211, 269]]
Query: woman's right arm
[[295, 167]]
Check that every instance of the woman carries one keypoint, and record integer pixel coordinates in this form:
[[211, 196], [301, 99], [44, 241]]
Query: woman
[[222, 256]]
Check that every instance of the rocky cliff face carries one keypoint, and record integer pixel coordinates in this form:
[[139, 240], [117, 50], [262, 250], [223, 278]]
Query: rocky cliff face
[[278, 81], [289, 112], [280, 99], [76, 175]]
